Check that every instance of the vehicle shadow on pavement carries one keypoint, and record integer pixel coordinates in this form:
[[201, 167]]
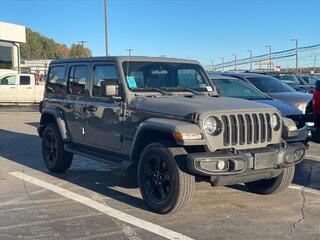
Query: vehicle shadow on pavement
[[307, 174], [25, 149]]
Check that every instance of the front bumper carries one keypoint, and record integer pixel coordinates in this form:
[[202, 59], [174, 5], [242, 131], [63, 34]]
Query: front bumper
[[302, 135], [225, 163]]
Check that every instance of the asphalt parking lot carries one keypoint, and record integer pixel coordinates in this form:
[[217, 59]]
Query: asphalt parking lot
[[94, 201]]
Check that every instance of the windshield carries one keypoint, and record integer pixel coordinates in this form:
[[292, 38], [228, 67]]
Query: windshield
[[146, 76], [238, 89], [287, 78], [270, 84], [310, 80]]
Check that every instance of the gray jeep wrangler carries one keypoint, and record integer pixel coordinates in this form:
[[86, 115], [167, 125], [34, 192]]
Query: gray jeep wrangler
[[161, 118]]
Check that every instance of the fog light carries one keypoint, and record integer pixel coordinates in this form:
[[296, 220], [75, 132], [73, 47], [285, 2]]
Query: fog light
[[212, 165], [221, 165]]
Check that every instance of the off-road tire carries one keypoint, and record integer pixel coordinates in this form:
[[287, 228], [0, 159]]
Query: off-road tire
[[273, 185], [62, 160], [182, 185]]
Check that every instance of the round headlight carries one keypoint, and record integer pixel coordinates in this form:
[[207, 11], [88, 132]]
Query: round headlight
[[212, 126], [275, 121]]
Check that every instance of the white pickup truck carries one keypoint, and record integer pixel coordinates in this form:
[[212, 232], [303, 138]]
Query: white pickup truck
[[20, 88]]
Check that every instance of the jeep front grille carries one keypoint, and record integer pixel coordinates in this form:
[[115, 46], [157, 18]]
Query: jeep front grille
[[240, 129]]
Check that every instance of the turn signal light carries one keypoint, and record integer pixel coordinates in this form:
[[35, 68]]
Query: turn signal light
[[179, 136]]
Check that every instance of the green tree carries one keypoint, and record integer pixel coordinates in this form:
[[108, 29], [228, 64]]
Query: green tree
[[78, 50], [38, 46]]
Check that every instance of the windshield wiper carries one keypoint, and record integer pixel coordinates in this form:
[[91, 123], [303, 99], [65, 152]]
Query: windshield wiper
[[188, 90], [163, 92]]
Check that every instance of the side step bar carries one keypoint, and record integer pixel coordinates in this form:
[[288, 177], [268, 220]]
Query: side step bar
[[117, 162]]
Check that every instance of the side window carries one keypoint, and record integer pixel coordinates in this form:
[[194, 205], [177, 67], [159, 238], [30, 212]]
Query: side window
[[24, 80], [56, 80], [77, 80], [101, 74], [8, 80]]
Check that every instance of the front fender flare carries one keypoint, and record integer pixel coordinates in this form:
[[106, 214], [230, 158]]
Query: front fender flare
[[168, 127]]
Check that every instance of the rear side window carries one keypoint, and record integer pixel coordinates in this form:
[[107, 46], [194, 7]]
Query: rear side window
[[56, 81], [77, 80], [101, 74], [24, 80]]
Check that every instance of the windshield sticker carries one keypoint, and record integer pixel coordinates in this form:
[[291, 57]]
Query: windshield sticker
[[131, 82], [209, 89]]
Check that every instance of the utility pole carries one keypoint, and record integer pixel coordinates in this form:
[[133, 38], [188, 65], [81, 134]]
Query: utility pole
[[106, 27], [129, 50], [297, 58], [269, 46], [314, 63], [222, 59], [82, 42], [235, 61], [250, 51], [211, 65]]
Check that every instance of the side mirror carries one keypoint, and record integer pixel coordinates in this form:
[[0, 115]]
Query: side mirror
[[109, 88]]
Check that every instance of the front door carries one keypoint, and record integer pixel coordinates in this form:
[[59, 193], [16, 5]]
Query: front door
[[8, 89], [103, 126], [75, 101]]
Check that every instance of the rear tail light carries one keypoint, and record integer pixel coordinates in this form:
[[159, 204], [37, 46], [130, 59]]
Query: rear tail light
[[316, 104]]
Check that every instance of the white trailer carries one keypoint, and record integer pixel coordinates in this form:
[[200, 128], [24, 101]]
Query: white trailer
[[20, 89]]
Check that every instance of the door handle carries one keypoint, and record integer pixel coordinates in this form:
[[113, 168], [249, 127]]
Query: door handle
[[13, 87], [29, 87], [91, 108]]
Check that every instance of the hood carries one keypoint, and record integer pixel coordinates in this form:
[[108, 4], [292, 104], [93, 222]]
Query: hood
[[184, 106], [285, 108], [292, 97]]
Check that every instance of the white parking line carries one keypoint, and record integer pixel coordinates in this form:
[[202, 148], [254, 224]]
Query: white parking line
[[310, 156], [306, 189], [148, 226]]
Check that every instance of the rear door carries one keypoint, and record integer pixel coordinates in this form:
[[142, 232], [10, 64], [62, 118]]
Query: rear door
[[75, 101], [8, 89], [25, 89]]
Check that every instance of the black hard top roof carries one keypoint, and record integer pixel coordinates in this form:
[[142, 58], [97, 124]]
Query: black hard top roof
[[125, 58]]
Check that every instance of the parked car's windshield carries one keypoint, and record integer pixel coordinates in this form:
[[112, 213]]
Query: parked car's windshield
[[270, 84], [309, 79], [143, 76], [287, 78], [238, 89]]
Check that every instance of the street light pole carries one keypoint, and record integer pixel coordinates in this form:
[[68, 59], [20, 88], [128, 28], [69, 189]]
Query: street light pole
[[235, 61], [269, 46], [106, 27], [250, 51], [222, 59], [297, 59]]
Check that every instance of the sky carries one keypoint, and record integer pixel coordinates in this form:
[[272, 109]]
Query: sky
[[204, 30]]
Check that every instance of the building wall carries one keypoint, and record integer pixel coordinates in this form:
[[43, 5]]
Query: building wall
[[10, 37]]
